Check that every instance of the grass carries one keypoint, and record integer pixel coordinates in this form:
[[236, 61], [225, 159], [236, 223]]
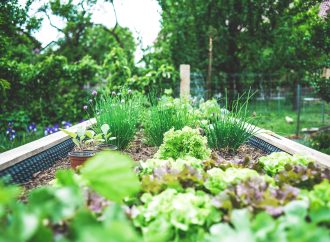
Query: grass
[[271, 115], [161, 118], [20, 139], [122, 114], [233, 129]]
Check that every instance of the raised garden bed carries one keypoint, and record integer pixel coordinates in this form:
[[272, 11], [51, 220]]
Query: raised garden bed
[[179, 191]]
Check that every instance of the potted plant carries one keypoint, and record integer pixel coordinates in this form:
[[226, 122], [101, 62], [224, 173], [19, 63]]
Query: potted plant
[[83, 139], [106, 136]]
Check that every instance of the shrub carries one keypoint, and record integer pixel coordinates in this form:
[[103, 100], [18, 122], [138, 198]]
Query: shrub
[[121, 113], [278, 161], [182, 143], [161, 118], [231, 130]]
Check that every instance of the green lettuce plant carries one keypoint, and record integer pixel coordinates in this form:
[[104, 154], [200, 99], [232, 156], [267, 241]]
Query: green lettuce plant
[[150, 165], [218, 180], [319, 202], [278, 161], [209, 108], [173, 213], [182, 143], [292, 226]]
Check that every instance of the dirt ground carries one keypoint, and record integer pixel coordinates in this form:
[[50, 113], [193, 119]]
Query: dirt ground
[[140, 151]]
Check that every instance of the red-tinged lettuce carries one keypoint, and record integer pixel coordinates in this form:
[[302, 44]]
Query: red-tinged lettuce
[[162, 178], [218, 180], [302, 176], [256, 194]]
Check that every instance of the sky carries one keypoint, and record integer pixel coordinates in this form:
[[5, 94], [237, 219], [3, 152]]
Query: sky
[[142, 17]]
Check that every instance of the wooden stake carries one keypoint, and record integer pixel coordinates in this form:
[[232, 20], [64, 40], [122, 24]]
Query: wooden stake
[[185, 80], [209, 70]]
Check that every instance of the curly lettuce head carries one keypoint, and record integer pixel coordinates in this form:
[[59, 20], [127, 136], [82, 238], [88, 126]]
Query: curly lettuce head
[[183, 143], [277, 161]]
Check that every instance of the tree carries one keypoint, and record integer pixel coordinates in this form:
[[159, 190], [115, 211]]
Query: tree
[[81, 36], [248, 36]]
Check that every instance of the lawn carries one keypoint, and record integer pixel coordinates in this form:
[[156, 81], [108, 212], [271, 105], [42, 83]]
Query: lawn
[[271, 115]]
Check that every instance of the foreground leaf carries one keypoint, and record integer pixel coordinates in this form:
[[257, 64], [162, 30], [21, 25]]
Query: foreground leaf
[[110, 174]]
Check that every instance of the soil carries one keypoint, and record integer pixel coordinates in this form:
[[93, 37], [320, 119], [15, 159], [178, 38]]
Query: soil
[[243, 152], [138, 150]]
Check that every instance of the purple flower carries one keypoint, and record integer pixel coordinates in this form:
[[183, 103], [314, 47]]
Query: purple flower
[[32, 128], [94, 92], [48, 130], [56, 128], [66, 124], [85, 107], [11, 133]]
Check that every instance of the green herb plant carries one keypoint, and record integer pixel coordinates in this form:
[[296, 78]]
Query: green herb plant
[[162, 117], [232, 129], [122, 114]]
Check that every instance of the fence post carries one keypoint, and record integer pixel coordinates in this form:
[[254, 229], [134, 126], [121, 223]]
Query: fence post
[[298, 108], [185, 80]]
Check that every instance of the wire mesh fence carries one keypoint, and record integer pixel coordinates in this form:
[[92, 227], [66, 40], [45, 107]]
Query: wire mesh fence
[[281, 104]]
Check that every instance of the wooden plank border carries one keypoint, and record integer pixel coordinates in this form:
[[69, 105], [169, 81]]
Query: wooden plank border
[[14, 156], [293, 147]]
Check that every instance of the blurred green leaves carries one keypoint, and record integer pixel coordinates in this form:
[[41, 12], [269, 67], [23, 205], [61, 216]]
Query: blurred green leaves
[[111, 175]]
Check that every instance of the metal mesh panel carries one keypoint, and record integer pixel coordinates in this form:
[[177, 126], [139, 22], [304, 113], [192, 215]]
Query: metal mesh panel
[[24, 170], [263, 145]]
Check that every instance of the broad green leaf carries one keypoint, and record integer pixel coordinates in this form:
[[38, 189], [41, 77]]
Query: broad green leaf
[[90, 134], [77, 143], [81, 130], [98, 136], [105, 128], [81, 138], [111, 175]]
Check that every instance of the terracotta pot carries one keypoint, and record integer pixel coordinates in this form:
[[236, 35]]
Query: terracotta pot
[[77, 158], [103, 147]]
